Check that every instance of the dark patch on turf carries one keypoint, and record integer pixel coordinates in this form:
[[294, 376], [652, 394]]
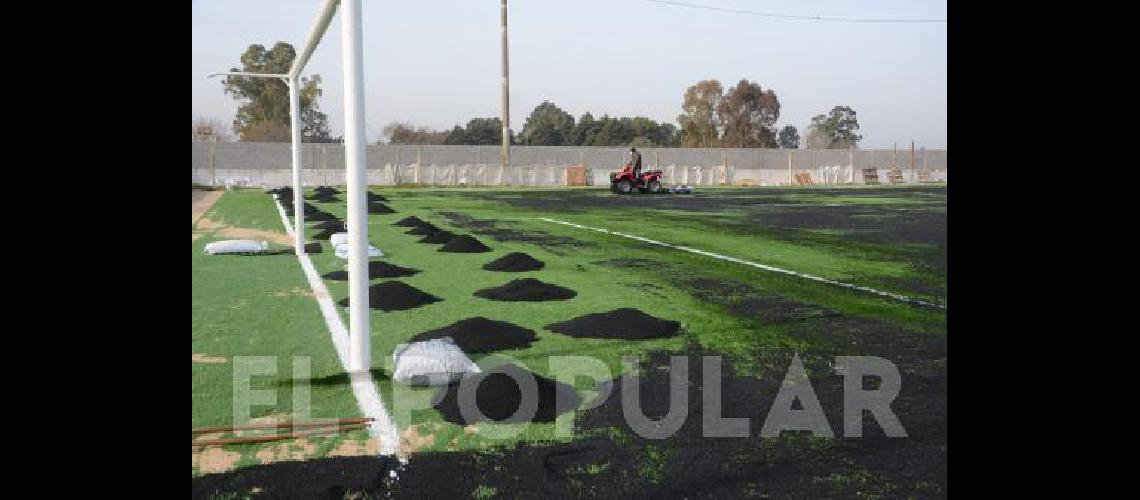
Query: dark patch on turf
[[515, 262], [313, 247], [741, 299], [632, 263], [464, 244], [498, 396], [625, 323], [376, 269], [480, 335], [526, 290], [395, 296], [572, 201], [326, 478], [686, 464], [489, 228], [866, 223]]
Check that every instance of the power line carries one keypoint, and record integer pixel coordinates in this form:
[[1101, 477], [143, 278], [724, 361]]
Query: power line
[[797, 17]]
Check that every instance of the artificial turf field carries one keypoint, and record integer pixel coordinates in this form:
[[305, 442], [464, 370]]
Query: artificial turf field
[[889, 238]]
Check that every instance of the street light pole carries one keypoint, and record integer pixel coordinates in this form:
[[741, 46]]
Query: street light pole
[[505, 152]]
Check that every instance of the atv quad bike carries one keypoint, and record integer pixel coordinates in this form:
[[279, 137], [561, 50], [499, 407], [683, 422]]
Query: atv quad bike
[[624, 182]]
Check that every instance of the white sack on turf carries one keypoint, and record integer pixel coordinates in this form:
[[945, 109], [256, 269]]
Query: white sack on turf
[[236, 246], [431, 362], [338, 239], [342, 251]]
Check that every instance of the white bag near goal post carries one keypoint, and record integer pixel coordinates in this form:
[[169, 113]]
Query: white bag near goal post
[[431, 362], [236, 246], [342, 251]]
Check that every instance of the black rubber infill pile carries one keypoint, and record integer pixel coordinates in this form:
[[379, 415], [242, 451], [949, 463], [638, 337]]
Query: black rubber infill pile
[[318, 216], [326, 234], [376, 269], [423, 229], [516, 262], [498, 397], [395, 296], [438, 237], [479, 335], [375, 197], [380, 208], [282, 194], [625, 323], [336, 225], [412, 221], [526, 290], [464, 244], [288, 205]]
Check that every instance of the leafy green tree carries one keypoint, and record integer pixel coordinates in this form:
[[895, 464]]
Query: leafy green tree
[[835, 130], [548, 125], [612, 132], [457, 136], [748, 114], [485, 131], [267, 99], [789, 137], [587, 126], [699, 121]]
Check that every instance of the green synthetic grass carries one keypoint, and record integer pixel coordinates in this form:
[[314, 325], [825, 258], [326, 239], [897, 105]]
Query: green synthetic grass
[[454, 278], [298, 327], [249, 306]]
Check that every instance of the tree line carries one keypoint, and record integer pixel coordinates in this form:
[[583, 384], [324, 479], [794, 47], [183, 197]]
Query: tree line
[[744, 116]]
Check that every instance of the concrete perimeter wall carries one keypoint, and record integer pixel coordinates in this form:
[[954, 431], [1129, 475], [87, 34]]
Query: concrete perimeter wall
[[268, 164]]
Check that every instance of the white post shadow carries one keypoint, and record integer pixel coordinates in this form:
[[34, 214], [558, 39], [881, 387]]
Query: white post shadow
[[714, 425], [359, 350], [878, 401], [678, 400], [244, 396], [566, 370], [782, 417], [302, 395]]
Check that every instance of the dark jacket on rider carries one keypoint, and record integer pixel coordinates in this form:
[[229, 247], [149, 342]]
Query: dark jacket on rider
[[635, 161]]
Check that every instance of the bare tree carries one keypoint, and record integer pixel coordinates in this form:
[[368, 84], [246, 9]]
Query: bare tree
[[206, 129]]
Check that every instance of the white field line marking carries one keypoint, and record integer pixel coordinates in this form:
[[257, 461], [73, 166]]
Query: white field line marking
[[757, 265], [383, 429]]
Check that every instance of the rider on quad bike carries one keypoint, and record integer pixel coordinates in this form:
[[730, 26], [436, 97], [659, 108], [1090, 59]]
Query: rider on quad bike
[[635, 162], [633, 178]]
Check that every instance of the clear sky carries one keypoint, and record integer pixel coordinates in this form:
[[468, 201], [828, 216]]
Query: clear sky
[[436, 62]]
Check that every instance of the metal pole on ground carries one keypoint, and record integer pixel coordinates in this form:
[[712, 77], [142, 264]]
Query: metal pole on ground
[[213, 159], [359, 350], [298, 187]]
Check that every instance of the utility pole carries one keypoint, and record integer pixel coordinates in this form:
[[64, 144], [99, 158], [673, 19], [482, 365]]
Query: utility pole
[[505, 152], [912, 173]]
